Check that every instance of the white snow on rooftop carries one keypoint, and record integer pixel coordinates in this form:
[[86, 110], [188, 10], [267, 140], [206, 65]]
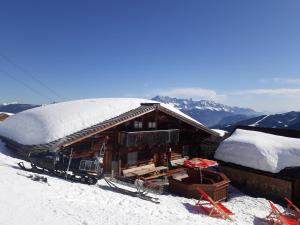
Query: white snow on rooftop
[[51, 122], [7, 113], [220, 132], [260, 151]]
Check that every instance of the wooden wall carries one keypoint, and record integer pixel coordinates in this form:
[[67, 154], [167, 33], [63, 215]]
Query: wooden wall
[[259, 184]]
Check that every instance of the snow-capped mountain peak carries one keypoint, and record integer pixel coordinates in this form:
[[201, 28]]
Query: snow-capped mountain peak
[[9, 103], [202, 105], [289, 120], [206, 111]]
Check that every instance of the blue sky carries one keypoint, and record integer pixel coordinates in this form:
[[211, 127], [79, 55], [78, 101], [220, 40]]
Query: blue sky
[[244, 53]]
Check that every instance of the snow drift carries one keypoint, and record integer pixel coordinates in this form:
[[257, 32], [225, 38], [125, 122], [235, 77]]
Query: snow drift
[[260, 151], [51, 122]]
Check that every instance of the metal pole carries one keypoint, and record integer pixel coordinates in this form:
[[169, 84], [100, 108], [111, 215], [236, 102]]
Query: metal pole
[[70, 159], [201, 179]]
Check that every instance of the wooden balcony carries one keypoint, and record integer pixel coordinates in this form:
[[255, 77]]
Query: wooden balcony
[[148, 138]]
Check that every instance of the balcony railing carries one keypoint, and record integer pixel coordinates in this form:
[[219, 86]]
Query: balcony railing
[[150, 138]]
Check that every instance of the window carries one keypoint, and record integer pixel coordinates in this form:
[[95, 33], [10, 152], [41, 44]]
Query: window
[[152, 125], [132, 158], [186, 151], [138, 124], [88, 165]]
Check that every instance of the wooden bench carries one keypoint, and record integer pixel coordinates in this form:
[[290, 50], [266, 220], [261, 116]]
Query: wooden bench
[[146, 172]]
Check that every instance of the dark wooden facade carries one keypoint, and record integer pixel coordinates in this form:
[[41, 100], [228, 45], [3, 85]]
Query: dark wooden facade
[[264, 184], [154, 137]]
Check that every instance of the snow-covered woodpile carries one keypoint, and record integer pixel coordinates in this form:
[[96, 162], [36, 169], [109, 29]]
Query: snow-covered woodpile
[[264, 163], [258, 150]]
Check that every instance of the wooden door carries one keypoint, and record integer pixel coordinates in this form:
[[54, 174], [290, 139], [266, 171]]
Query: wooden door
[[107, 160]]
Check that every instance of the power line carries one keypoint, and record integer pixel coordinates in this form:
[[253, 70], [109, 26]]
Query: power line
[[24, 84], [26, 72]]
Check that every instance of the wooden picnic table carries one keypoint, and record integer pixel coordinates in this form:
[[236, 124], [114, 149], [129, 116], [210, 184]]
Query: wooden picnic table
[[147, 172]]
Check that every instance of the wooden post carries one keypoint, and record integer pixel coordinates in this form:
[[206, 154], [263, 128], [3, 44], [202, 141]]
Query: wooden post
[[156, 119]]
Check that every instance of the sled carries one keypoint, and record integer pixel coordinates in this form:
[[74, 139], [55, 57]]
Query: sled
[[139, 193]]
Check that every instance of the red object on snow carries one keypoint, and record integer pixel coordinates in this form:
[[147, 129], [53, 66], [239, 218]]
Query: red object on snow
[[277, 217], [216, 209], [199, 163]]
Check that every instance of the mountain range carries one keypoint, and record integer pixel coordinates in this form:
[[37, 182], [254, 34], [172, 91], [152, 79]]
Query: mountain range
[[207, 112], [289, 120], [15, 107], [219, 116]]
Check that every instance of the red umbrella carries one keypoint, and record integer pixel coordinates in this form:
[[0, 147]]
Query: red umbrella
[[200, 164]]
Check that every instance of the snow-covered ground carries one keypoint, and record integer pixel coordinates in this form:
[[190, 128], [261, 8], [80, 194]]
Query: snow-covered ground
[[24, 202]]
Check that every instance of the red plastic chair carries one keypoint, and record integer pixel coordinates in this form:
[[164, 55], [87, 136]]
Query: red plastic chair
[[216, 209], [293, 206], [278, 218]]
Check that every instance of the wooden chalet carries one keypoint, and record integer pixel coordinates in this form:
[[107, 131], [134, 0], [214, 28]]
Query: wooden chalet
[[150, 135], [260, 183]]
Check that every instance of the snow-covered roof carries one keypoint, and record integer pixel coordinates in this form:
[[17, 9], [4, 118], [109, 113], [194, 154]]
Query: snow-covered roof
[[51, 122], [4, 116], [220, 132], [260, 151], [7, 113]]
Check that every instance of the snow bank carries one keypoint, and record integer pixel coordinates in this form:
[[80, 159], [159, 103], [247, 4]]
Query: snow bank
[[260, 151], [51, 122], [25, 202]]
